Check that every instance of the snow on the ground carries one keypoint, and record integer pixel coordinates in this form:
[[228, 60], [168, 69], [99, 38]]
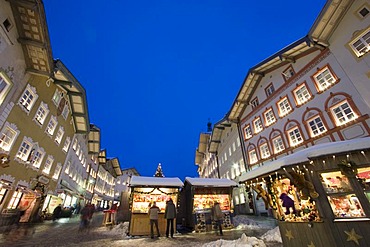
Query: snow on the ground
[[243, 241], [272, 235]]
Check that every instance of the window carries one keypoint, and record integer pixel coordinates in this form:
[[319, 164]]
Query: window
[[59, 135], [253, 156], [248, 131], [364, 11], [8, 135], [316, 126], [68, 166], [37, 157], [28, 98], [361, 45], [5, 85], [269, 89], [2, 194], [265, 152], [7, 24], [48, 163], [66, 144], [301, 94], [288, 73], [254, 102], [75, 142], [257, 125], [343, 113], [51, 126], [324, 79], [57, 97], [284, 107], [295, 136], [278, 144], [25, 149], [57, 171], [269, 117], [14, 201], [41, 113], [65, 111]]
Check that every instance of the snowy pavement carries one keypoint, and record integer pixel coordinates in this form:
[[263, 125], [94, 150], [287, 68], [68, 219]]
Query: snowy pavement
[[249, 231]]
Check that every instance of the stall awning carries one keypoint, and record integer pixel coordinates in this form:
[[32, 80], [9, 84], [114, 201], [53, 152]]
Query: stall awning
[[155, 182], [211, 182], [306, 154]]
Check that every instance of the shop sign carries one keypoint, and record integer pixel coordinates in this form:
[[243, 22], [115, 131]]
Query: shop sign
[[43, 180]]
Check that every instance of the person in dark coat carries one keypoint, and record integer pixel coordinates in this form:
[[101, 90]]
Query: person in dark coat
[[153, 217], [218, 216], [57, 212], [170, 215]]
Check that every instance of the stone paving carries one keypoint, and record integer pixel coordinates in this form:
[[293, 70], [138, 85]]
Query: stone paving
[[65, 232]]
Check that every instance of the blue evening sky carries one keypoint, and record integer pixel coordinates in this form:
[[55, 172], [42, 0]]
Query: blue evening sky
[[155, 71]]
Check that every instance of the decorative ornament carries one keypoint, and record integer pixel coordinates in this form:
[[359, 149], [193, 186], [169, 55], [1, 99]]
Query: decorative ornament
[[4, 160], [289, 234], [353, 236], [311, 245]]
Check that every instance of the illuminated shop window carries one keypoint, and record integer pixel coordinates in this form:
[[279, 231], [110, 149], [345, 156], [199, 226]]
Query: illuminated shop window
[[295, 136], [278, 144], [363, 177], [324, 78], [284, 107], [2, 194], [269, 117], [316, 126], [341, 197], [301, 94], [14, 201], [343, 113]]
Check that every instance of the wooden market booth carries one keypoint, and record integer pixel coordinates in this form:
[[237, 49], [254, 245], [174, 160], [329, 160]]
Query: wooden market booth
[[145, 191], [320, 195], [198, 197]]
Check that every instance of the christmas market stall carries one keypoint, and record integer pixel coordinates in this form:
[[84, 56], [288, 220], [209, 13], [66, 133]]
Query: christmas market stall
[[145, 191], [198, 197], [320, 195]]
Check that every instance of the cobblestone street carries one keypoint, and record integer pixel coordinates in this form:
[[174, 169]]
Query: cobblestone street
[[65, 233]]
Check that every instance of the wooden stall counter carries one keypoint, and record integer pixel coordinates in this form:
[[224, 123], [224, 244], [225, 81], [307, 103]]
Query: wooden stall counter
[[140, 224]]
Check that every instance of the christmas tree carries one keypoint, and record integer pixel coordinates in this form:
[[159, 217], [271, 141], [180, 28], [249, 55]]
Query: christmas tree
[[159, 172]]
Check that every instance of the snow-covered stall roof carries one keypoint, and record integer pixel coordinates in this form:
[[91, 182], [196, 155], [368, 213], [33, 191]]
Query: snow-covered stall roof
[[211, 182], [155, 181], [307, 153]]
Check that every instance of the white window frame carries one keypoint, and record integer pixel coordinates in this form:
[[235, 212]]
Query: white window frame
[[41, 113], [248, 131], [270, 117], [75, 143], [265, 151], [278, 144], [37, 158], [65, 111], [257, 124], [295, 136], [324, 78], [59, 135], [302, 94], [284, 107], [269, 90], [48, 164], [14, 201], [52, 125], [25, 149], [316, 126], [8, 135], [252, 154], [343, 113], [361, 45], [28, 98], [67, 142], [58, 169], [57, 97], [5, 85]]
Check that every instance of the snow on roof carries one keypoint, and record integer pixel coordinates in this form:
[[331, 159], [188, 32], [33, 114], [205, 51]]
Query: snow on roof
[[307, 153], [155, 181], [211, 182]]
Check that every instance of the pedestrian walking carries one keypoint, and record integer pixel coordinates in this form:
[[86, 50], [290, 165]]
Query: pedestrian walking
[[85, 216], [218, 216], [170, 215], [153, 217], [57, 212]]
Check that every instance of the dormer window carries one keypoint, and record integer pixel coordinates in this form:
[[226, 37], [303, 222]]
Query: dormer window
[[288, 73]]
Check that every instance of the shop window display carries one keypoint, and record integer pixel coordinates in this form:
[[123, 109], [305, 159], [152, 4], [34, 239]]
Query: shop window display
[[144, 197], [341, 197], [363, 177]]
